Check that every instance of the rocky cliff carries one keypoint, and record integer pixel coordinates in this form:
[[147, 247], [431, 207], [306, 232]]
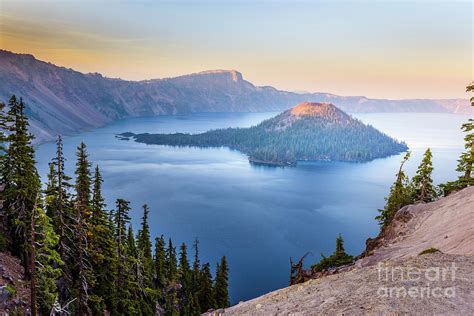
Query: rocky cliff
[[61, 100], [422, 264]]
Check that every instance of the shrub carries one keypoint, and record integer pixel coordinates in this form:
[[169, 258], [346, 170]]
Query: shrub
[[337, 259], [11, 290], [427, 251]]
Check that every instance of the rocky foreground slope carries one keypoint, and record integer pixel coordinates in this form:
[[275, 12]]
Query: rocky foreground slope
[[394, 278], [62, 100], [14, 291]]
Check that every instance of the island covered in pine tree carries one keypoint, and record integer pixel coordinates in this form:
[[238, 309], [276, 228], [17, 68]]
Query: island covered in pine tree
[[308, 131]]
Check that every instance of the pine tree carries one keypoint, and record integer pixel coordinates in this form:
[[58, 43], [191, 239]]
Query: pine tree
[[59, 207], [121, 219], [51, 195], [340, 245], [172, 304], [337, 259], [62, 214], [196, 272], [340, 257], [400, 195], [131, 245], [102, 251], [171, 267], [98, 202], [83, 233], [83, 183], [466, 160], [206, 292], [183, 267], [21, 179], [3, 155], [160, 263], [3, 141], [46, 262], [144, 247], [222, 283], [124, 276], [423, 189], [191, 306], [137, 288]]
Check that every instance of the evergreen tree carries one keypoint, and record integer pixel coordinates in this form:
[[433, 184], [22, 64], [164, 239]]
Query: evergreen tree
[[62, 211], [470, 88], [3, 155], [102, 251], [124, 283], [144, 247], [172, 304], [196, 272], [21, 179], [160, 263], [83, 183], [84, 279], [46, 262], [206, 292], [140, 298], [183, 267], [466, 160], [171, 268], [51, 191], [400, 195], [121, 219], [340, 245], [222, 283], [191, 306], [98, 202], [59, 207], [337, 259], [423, 189], [3, 140], [131, 245]]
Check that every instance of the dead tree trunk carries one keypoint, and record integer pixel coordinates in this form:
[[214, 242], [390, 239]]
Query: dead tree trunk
[[296, 271]]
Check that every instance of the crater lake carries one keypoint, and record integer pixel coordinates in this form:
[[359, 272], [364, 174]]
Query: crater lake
[[258, 216]]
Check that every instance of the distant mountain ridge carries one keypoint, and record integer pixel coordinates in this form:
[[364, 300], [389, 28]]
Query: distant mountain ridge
[[309, 131], [63, 101]]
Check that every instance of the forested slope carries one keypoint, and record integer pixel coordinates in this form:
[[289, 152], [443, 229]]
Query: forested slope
[[309, 131]]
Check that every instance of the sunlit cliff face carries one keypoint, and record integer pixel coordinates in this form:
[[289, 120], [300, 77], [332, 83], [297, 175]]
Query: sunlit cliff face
[[312, 109]]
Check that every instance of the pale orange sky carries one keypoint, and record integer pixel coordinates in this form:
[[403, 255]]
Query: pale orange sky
[[373, 48]]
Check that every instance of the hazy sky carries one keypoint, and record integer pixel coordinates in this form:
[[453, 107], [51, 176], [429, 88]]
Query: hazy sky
[[390, 49]]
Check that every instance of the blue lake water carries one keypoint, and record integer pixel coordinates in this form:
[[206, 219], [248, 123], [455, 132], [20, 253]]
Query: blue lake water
[[257, 216]]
